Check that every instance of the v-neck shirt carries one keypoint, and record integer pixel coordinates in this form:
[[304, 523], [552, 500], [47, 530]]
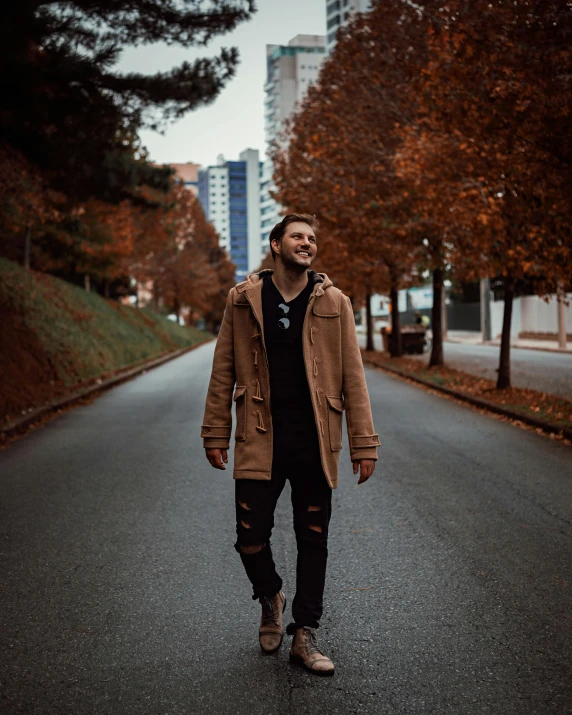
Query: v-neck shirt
[[291, 404]]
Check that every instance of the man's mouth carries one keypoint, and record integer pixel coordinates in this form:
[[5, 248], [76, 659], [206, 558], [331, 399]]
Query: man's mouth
[[303, 253]]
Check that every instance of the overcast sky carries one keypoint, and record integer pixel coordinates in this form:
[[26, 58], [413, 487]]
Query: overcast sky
[[235, 121]]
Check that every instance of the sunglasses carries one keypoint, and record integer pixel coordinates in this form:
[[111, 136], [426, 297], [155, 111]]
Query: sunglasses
[[283, 321]]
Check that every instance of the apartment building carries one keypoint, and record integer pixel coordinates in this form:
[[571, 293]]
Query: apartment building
[[229, 192], [290, 69], [338, 14]]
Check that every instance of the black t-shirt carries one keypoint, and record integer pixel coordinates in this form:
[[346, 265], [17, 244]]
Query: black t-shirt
[[291, 404]]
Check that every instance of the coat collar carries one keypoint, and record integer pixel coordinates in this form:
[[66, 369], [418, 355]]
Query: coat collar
[[253, 282], [252, 288]]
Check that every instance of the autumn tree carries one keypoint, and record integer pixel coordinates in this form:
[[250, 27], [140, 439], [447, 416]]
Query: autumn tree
[[453, 216], [177, 256], [339, 160], [497, 88], [27, 205]]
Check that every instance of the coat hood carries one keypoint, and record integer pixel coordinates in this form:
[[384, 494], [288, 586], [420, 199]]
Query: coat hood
[[320, 280]]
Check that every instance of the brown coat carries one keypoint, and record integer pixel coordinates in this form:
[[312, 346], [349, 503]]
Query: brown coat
[[333, 367]]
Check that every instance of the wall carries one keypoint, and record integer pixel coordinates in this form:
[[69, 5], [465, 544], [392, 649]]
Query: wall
[[530, 314], [539, 316]]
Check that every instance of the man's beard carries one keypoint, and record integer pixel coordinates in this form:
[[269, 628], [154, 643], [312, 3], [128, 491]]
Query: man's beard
[[290, 264]]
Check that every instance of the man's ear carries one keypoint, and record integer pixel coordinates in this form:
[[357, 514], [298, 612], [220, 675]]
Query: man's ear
[[275, 242]]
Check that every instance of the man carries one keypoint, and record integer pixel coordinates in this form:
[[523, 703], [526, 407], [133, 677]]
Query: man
[[287, 355], [422, 320]]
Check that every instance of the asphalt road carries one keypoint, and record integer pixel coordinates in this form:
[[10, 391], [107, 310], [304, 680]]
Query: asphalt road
[[534, 369], [449, 588]]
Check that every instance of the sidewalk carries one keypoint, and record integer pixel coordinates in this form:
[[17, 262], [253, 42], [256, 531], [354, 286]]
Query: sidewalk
[[466, 337]]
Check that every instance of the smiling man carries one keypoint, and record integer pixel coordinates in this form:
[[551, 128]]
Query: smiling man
[[287, 355]]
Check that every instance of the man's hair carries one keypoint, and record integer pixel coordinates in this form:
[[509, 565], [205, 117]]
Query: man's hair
[[279, 230]]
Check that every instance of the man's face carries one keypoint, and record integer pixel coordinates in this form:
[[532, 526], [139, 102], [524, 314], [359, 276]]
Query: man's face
[[298, 245]]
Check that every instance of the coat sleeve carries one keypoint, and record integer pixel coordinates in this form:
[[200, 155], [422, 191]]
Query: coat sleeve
[[361, 432], [217, 422]]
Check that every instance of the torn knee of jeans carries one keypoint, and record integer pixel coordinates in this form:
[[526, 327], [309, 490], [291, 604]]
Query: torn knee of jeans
[[249, 549], [245, 525], [315, 527], [314, 508], [244, 505]]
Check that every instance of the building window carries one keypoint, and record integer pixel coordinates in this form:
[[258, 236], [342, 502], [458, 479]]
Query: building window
[[333, 6], [333, 21]]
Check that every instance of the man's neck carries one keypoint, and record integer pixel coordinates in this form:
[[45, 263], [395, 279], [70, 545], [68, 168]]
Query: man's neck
[[290, 283]]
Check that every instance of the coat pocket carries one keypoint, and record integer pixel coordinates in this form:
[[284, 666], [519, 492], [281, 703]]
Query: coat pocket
[[335, 409], [240, 407]]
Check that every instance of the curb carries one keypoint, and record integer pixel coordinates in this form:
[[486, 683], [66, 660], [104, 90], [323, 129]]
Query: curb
[[19, 424], [555, 351], [478, 402]]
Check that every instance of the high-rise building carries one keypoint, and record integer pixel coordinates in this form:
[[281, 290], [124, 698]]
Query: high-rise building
[[290, 69], [230, 196], [338, 13]]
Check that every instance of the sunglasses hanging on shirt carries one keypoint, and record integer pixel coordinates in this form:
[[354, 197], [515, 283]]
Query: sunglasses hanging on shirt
[[283, 321]]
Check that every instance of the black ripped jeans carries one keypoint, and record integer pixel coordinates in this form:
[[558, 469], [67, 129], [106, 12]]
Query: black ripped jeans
[[312, 507]]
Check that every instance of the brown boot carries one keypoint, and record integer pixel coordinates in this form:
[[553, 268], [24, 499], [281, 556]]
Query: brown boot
[[270, 633], [305, 650]]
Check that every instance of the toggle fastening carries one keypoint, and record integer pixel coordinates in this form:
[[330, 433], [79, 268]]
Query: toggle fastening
[[258, 397], [260, 426]]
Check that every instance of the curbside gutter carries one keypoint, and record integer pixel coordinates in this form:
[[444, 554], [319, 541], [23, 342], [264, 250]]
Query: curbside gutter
[[19, 424], [477, 402]]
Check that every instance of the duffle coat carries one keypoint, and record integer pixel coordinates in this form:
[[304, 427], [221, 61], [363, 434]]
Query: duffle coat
[[334, 371]]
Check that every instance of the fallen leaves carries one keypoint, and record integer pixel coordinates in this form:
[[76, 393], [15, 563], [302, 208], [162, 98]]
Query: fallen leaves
[[550, 408]]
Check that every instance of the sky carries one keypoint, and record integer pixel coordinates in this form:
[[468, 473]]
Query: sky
[[235, 120]]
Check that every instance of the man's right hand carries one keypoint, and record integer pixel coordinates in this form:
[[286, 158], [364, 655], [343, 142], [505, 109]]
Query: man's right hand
[[217, 457]]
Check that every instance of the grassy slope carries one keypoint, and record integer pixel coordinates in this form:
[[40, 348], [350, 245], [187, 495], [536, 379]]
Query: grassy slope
[[55, 336]]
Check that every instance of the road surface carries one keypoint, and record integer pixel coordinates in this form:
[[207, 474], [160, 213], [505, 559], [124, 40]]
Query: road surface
[[449, 587], [534, 369]]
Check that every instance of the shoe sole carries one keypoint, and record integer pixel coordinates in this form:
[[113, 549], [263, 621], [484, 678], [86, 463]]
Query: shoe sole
[[270, 652], [298, 661]]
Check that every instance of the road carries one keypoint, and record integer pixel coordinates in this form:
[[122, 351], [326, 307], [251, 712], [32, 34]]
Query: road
[[449, 587], [535, 369]]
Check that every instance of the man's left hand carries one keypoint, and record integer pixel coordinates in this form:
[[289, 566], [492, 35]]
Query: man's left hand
[[365, 468]]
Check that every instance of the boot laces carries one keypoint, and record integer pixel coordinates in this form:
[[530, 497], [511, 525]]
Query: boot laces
[[312, 641], [269, 614]]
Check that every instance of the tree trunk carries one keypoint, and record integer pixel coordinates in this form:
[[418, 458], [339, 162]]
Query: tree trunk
[[369, 323], [87, 283], [437, 357], [178, 311], [28, 246], [106, 288], [503, 380], [561, 299], [395, 338]]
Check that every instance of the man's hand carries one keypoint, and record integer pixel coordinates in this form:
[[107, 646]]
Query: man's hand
[[217, 457], [365, 467]]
